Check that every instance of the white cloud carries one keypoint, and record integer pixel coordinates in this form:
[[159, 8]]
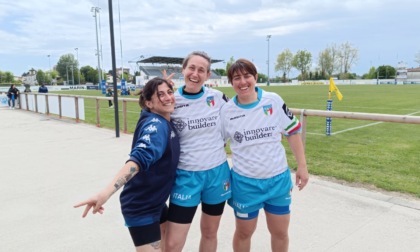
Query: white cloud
[[31, 30]]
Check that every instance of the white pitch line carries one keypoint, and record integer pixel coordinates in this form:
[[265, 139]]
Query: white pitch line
[[312, 133], [414, 113], [359, 127]]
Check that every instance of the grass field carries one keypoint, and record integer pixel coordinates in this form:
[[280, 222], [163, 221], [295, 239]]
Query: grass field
[[369, 153]]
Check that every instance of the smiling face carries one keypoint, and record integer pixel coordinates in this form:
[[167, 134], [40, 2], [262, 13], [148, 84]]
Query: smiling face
[[243, 76], [244, 85], [196, 72], [162, 101]]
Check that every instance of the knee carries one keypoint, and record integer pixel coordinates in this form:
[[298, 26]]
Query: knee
[[209, 231], [172, 245], [244, 234], [280, 235]]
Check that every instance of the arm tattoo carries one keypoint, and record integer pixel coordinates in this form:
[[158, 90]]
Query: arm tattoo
[[122, 181], [119, 183], [155, 245]]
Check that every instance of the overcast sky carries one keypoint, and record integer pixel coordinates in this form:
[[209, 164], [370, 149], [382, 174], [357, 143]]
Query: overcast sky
[[383, 31]]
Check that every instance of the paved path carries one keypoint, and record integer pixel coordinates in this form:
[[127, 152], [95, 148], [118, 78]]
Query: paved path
[[48, 165]]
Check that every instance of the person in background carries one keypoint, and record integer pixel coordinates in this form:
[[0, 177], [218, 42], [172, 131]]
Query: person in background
[[149, 173], [203, 174], [109, 93], [42, 89], [12, 95], [254, 122]]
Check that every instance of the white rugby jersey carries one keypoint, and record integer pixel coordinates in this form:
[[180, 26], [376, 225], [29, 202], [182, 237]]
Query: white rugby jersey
[[197, 119], [255, 132]]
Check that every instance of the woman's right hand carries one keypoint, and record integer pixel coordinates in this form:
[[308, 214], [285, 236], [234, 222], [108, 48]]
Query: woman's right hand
[[96, 202], [168, 78]]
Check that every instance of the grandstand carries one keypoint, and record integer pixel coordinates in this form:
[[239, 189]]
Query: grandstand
[[154, 67]]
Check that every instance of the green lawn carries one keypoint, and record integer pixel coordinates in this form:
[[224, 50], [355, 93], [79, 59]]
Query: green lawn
[[384, 155]]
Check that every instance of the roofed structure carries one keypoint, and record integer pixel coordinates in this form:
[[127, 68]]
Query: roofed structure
[[167, 60], [154, 66]]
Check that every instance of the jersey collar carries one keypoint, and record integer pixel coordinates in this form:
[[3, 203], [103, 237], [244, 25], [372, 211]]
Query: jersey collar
[[249, 105]]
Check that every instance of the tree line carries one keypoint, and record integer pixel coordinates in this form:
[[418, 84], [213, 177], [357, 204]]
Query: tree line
[[335, 60]]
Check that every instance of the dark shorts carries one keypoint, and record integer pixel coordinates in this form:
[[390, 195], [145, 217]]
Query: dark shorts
[[148, 233], [185, 215], [145, 234]]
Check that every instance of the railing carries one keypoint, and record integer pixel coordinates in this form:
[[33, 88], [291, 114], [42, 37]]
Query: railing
[[304, 113], [76, 98], [124, 109]]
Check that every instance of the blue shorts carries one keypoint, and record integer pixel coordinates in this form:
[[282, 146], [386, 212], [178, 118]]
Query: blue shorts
[[249, 195], [210, 186]]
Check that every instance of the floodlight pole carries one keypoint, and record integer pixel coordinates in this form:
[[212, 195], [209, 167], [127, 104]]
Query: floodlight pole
[[78, 66], [49, 67], [95, 10], [268, 60], [114, 69]]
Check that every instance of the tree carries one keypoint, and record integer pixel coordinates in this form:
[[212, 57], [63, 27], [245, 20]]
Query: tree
[[220, 71], [229, 63], [284, 62], [386, 72], [326, 62], [41, 77], [334, 57], [90, 74], [371, 74], [262, 78], [65, 65], [302, 62], [349, 57], [6, 77]]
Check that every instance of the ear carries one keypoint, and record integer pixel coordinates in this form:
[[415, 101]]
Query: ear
[[256, 77], [149, 104]]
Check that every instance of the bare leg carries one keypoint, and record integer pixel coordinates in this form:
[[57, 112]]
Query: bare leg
[[151, 247], [243, 234], [176, 235], [278, 225], [209, 225], [163, 235]]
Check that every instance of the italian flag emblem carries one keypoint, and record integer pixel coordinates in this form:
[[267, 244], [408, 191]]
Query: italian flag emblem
[[268, 110]]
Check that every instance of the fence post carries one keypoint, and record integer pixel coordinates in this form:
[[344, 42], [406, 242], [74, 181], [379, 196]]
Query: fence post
[[125, 115], [98, 123], [36, 102], [76, 103], [60, 113], [27, 103], [47, 105]]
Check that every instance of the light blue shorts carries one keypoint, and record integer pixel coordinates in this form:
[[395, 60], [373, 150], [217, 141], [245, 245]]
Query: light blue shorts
[[210, 186], [249, 195]]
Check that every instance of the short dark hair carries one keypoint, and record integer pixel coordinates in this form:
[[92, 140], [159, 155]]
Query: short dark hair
[[241, 66], [150, 89]]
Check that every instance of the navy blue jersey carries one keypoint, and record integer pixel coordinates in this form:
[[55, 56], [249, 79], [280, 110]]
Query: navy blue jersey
[[156, 150]]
